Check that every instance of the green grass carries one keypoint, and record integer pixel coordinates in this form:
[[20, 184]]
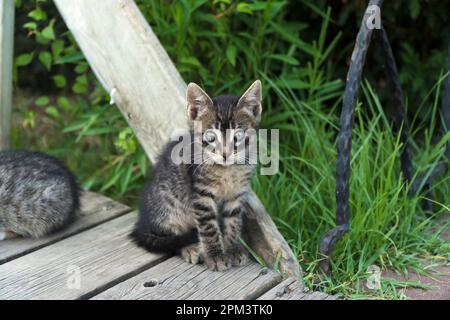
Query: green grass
[[388, 228]]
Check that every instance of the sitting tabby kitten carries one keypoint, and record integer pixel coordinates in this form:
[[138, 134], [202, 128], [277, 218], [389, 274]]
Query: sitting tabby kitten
[[197, 209], [38, 194]]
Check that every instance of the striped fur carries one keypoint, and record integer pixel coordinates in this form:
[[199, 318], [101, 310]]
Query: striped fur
[[38, 194], [196, 210]]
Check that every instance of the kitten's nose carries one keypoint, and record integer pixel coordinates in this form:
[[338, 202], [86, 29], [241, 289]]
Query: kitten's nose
[[224, 155]]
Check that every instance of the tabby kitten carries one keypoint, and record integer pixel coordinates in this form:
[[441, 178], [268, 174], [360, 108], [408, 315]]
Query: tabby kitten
[[38, 194], [196, 209]]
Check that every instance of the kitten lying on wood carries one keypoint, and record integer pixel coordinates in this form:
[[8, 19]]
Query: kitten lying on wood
[[38, 195], [196, 208]]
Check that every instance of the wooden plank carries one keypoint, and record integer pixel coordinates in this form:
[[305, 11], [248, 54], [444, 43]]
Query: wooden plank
[[6, 68], [102, 256], [262, 235], [126, 56], [95, 209], [292, 289], [178, 280]]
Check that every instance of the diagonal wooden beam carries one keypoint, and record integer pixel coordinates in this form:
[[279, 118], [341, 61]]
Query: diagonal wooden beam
[[127, 57], [129, 61], [6, 63]]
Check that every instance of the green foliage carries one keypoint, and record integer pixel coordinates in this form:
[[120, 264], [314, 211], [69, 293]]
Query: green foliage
[[91, 135], [417, 31], [200, 37], [299, 52], [387, 228]]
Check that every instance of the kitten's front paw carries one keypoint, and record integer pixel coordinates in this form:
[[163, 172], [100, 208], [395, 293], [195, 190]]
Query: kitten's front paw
[[192, 254], [238, 255], [217, 262]]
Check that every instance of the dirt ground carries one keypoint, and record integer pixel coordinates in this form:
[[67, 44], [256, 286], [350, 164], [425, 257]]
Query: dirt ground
[[441, 275], [441, 284]]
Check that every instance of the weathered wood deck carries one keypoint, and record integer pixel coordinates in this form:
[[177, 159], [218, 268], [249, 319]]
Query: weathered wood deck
[[111, 267]]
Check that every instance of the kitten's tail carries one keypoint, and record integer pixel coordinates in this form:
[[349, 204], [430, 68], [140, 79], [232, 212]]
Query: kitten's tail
[[164, 243]]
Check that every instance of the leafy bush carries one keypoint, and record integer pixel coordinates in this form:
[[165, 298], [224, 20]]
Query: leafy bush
[[96, 141], [417, 32]]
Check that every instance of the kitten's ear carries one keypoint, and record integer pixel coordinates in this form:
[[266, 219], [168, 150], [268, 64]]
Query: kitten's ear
[[250, 101], [198, 102]]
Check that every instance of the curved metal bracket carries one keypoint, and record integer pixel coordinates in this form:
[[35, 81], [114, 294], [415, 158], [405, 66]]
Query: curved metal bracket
[[345, 138], [397, 113]]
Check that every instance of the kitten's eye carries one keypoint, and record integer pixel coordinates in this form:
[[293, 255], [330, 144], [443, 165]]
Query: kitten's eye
[[209, 136], [239, 135]]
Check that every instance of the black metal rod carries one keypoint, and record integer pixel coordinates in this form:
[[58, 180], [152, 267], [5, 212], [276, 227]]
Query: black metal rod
[[398, 112], [345, 138], [400, 121], [421, 184]]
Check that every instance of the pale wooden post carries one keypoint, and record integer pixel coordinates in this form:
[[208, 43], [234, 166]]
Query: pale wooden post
[[6, 65], [131, 64]]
